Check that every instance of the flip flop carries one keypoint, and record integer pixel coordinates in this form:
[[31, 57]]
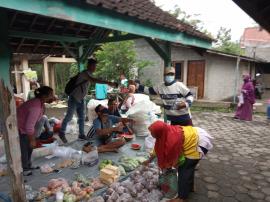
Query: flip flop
[[34, 167], [27, 173]]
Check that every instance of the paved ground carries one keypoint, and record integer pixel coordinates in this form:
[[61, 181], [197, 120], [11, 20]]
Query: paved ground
[[238, 168]]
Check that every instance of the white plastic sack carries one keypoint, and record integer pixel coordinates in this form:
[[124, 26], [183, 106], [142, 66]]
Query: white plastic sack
[[64, 152], [72, 126], [91, 108], [143, 115], [90, 158], [142, 97], [149, 143]]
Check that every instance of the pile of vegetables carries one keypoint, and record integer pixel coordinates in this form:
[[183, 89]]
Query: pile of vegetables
[[79, 190], [141, 186], [130, 163], [104, 163]]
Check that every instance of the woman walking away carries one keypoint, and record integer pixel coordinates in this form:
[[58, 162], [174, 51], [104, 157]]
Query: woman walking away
[[28, 114], [181, 147], [244, 111]]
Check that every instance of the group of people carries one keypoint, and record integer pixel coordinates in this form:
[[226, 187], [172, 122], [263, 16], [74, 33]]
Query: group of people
[[178, 143]]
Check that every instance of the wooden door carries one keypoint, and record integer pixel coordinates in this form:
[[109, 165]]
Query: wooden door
[[195, 75]]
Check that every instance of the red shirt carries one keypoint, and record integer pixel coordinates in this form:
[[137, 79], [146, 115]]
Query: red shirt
[[28, 115]]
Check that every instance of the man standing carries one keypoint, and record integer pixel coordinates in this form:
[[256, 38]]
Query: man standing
[[176, 98], [76, 99]]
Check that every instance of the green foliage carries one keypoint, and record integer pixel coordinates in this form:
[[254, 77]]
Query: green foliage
[[192, 20], [38, 68], [225, 44], [118, 58], [148, 83], [63, 72]]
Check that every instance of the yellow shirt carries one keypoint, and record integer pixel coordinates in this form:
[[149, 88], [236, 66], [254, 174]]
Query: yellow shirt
[[190, 145]]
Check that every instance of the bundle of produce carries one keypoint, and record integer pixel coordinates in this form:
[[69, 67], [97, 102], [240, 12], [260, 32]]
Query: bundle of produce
[[94, 183], [130, 163], [141, 186], [76, 192], [109, 174], [65, 163], [104, 163]]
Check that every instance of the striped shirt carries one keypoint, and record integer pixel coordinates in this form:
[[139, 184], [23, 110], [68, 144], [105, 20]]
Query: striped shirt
[[171, 96]]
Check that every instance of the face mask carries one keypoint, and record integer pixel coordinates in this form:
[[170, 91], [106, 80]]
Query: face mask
[[169, 79]]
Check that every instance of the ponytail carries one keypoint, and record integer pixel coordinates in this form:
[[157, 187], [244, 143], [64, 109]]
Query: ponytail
[[43, 91]]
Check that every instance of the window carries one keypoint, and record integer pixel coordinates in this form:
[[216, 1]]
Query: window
[[179, 66]]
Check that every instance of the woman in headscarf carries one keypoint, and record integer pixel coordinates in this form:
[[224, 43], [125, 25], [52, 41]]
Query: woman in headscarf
[[245, 109], [181, 147]]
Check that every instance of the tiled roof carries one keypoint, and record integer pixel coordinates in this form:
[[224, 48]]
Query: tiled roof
[[256, 34], [148, 11]]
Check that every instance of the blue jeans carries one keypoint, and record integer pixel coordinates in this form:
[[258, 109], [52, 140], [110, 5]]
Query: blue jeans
[[268, 112], [73, 105]]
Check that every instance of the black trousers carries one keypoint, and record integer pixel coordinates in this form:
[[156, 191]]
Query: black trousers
[[186, 174], [26, 152], [182, 123]]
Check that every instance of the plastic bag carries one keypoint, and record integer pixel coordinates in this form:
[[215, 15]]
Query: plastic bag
[[149, 143], [90, 158], [3, 169], [46, 168], [65, 152], [168, 183], [72, 127], [143, 115], [92, 115], [3, 159]]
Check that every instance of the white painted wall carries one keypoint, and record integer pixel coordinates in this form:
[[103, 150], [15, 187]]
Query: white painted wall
[[220, 72], [154, 72], [220, 77]]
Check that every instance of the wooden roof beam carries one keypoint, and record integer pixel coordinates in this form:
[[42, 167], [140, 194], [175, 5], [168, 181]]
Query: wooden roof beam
[[81, 12]]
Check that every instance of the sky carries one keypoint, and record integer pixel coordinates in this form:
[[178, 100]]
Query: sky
[[213, 14]]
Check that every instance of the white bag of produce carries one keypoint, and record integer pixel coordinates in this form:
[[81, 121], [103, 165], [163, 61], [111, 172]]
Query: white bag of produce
[[65, 152], [143, 114], [142, 97], [91, 108], [90, 158]]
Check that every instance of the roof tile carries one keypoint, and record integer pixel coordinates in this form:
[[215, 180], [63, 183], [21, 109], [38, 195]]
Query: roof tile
[[146, 10]]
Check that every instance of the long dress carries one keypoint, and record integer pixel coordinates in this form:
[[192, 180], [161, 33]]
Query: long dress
[[244, 112]]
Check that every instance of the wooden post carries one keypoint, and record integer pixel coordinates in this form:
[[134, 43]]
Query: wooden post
[[25, 82], [18, 78], [52, 75], [45, 72], [8, 116]]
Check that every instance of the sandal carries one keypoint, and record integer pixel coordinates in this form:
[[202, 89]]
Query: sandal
[[34, 167], [27, 173]]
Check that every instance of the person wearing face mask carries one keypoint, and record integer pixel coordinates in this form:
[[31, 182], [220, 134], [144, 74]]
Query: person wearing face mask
[[176, 98]]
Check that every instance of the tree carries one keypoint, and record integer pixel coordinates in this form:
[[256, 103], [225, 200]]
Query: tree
[[192, 20], [118, 58], [225, 44]]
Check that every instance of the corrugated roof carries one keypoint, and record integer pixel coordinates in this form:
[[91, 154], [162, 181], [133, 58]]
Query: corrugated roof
[[148, 11]]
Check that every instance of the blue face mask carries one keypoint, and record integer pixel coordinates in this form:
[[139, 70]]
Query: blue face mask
[[169, 79]]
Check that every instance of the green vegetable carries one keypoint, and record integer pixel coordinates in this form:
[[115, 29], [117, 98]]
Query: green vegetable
[[69, 198], [104, 163], [122, 170]]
